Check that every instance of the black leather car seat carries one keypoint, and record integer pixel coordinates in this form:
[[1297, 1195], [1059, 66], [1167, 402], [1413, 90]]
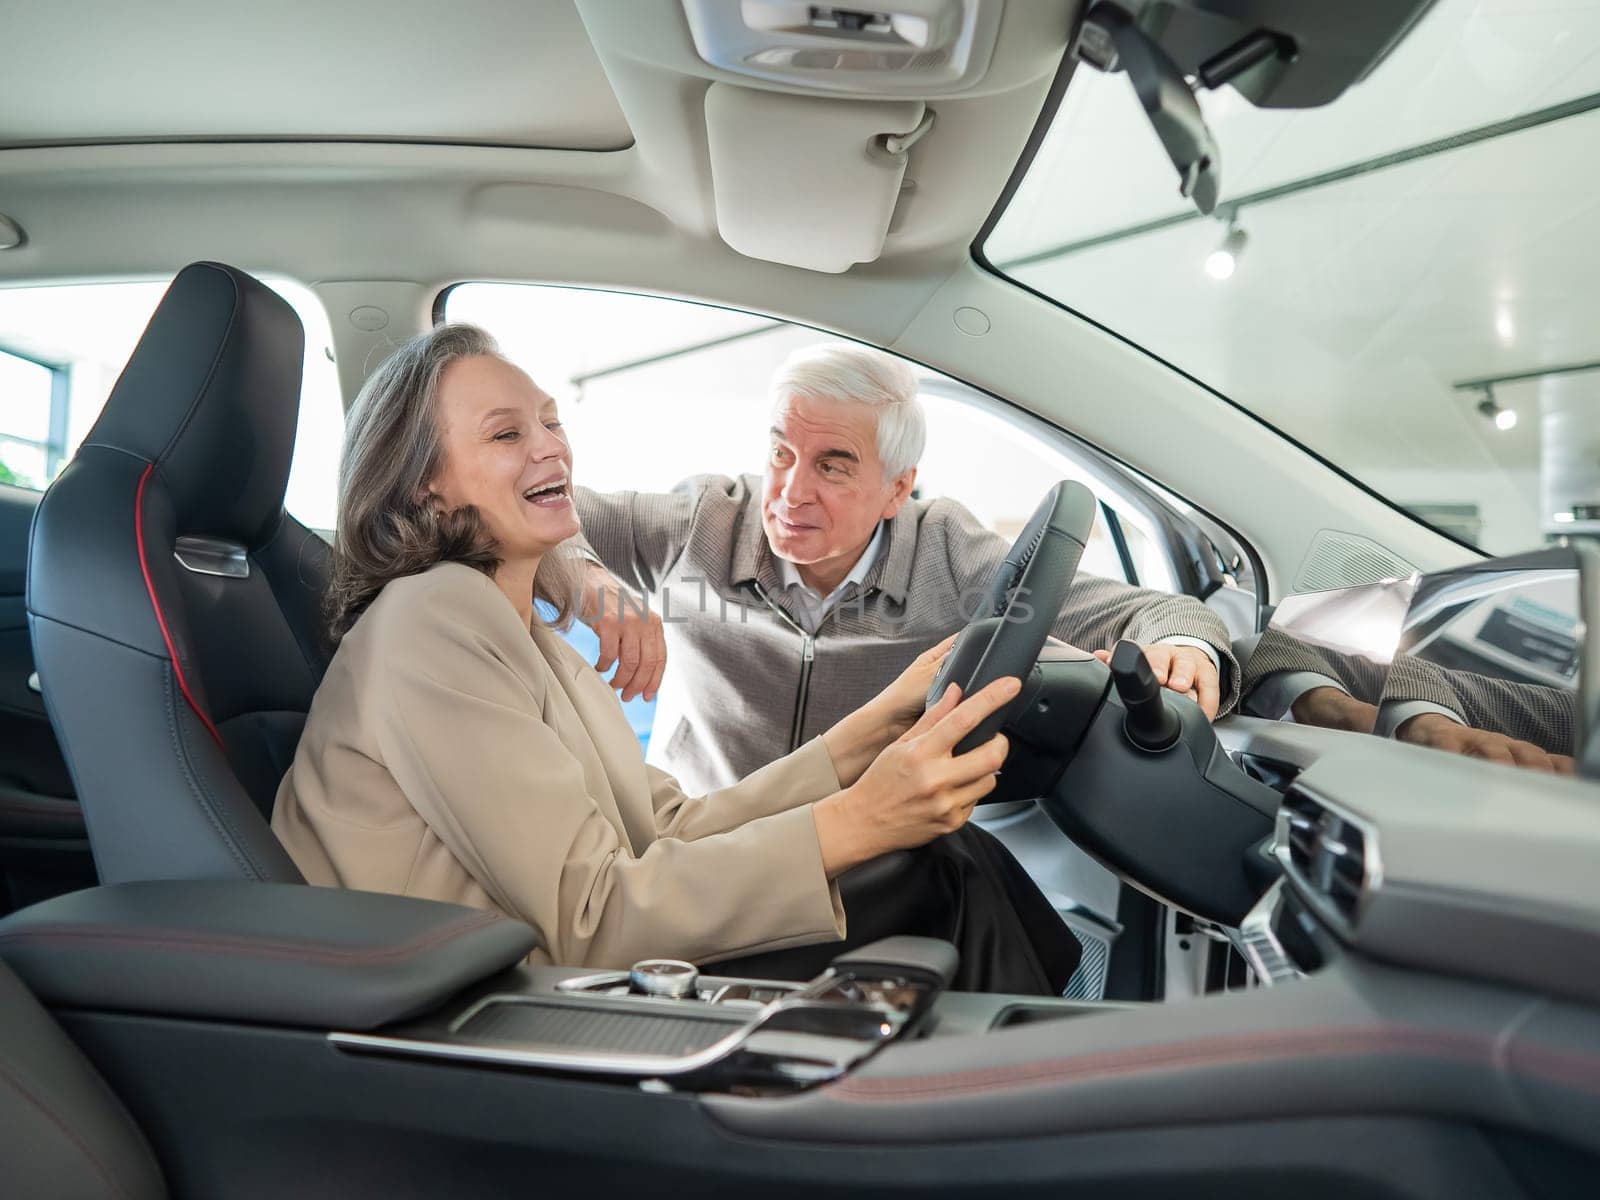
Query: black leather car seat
[[62, 1131], [174, 604]]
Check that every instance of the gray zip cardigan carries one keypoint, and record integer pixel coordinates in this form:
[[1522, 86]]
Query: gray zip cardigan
[[745, 684]]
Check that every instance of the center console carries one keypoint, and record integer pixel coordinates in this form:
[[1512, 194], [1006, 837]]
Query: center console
[[279, 1039], [379, 976], [665, 1023]]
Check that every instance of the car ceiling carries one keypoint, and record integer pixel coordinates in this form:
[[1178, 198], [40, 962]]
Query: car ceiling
[[321, 178], [491, 139], [409, 70]]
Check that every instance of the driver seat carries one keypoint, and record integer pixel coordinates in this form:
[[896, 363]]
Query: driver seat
[[174, 605]]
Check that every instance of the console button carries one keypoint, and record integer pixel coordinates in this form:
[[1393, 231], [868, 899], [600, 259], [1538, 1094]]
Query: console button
[[669, 977]]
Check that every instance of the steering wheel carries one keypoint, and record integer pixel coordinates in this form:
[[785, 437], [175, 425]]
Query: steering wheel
[[1021, 605]]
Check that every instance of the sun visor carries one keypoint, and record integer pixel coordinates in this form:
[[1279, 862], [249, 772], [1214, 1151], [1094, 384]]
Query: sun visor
[[805, 181]]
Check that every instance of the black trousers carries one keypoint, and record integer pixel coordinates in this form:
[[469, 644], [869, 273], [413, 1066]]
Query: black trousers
[[965, 888]]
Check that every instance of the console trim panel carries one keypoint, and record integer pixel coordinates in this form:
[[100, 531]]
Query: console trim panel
[[808, 1034]]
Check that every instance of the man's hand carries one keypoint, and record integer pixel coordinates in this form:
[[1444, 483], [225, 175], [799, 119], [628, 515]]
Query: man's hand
[[1187, 670], [1333, 708], [1441, 733], [630, 631]]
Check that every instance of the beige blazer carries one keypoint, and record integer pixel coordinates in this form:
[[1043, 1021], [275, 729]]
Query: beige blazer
[[450, 755]]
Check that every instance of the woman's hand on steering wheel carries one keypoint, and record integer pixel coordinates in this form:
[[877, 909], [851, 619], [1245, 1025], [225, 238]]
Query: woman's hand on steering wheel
[[904, 702], [858, 739], [918, 788]]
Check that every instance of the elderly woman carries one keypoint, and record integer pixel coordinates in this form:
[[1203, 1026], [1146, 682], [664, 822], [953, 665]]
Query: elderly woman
[[459, 749]]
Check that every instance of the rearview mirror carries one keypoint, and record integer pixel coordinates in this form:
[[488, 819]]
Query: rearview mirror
[[1109, 40]]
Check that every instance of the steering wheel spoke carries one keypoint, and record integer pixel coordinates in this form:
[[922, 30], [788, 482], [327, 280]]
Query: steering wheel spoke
[[1025, 596]]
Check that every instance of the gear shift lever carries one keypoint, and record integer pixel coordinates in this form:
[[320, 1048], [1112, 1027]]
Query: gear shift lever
[[1150, 724]]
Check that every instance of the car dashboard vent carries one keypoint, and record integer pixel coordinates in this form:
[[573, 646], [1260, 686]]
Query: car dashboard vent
[[1330, 856]]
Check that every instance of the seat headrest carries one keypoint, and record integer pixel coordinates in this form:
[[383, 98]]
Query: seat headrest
[[211, 397]]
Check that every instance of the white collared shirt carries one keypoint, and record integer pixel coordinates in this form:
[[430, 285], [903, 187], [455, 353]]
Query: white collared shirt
[[811, 608]]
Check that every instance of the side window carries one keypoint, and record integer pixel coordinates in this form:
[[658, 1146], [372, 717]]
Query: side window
[[30, 420], [654, 390], [63, 346], [688, 384]]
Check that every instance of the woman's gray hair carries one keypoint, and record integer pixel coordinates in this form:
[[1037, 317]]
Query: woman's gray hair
[[389, 526], [861, 375]]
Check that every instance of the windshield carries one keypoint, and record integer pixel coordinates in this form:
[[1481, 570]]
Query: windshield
[[1406, 281]]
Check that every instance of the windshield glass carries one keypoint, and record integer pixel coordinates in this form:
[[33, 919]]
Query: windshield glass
[[1413, 288]]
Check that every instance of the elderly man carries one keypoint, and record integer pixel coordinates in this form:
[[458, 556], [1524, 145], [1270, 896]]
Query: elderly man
[[787, 600]]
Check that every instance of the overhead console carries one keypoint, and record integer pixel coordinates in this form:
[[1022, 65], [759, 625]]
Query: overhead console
[[813, 110], [914, 48]]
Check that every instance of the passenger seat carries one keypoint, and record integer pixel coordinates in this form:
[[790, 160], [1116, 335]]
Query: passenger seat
[[63, 1134]]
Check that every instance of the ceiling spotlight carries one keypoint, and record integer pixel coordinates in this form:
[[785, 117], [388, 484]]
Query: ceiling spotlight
[[1505, 326], [1224, 260], [1504, 418]]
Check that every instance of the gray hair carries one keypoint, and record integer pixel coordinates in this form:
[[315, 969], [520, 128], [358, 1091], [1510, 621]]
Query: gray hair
[[861, 375], [388, 527]]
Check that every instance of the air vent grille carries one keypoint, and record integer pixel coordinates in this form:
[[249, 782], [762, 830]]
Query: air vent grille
[[1328, 854]]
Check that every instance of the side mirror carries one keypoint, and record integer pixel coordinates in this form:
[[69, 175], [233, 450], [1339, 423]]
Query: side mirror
[[1589, 659], [1499, 646], [1109, 40], [1503, 644]]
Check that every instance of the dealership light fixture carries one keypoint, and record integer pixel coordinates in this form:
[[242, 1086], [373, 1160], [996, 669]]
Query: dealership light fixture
[[1504, 419], [1224, 260]]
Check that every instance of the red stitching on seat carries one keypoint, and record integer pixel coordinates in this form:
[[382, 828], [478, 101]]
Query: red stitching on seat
[[182, 940], [22, 808], [155, 605], [1219, 1051], [67, 1131]]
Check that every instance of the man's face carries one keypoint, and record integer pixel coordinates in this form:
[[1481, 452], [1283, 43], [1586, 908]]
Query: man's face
[[825, 487]]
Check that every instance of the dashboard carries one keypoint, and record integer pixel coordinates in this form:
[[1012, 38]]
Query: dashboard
[[1431, 861]]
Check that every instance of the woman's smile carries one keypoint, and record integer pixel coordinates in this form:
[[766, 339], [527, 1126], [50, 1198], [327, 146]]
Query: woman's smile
[[505, 454], [553, 493]]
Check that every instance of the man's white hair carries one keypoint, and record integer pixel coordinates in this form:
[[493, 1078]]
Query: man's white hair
[[860, 375]]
